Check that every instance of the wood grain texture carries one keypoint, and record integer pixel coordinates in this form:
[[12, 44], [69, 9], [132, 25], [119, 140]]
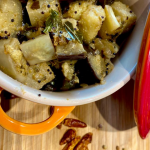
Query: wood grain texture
[[110, 119]]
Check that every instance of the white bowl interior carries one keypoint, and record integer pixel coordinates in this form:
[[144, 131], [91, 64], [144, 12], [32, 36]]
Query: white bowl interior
[[125, 65]]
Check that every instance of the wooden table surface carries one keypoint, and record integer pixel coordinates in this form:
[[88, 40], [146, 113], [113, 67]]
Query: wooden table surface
[[114, 113]]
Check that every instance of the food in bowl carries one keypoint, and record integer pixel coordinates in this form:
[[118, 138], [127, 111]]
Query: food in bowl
[[57, 46]]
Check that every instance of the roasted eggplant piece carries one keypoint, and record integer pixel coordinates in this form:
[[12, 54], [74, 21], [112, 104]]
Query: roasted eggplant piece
[[14, 64], [21, 37], [71, 51], [68, 85], [38, 50], [57, 82], [98, 66], [12, 61], [39, 75], [85, 73], [65, 79]]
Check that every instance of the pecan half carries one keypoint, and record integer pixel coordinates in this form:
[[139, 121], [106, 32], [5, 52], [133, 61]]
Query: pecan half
[[72, 144], [81, 147], [86, 139], [74, 123], [68, 137]]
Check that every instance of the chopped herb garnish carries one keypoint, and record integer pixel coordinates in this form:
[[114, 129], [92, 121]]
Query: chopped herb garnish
[[75, 35], [53, 22]]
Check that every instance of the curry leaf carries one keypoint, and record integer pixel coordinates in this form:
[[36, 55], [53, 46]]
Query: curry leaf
[[53, 22], [75, 35]]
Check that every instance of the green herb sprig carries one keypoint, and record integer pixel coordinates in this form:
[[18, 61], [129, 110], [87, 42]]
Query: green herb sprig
[[75, 35], [53, 22]]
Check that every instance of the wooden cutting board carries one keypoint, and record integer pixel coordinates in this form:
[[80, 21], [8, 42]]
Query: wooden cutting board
[[110, 120]]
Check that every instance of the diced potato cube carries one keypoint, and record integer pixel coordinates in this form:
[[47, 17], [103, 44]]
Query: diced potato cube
[[111, 45], [10, 17], [105, 34], [98, 10], [12, 61], [76, 9], [39, 75], [109, 48], [128, 17], [39, 11], [111, 27], [14, 64], [68, 69], [98, 44], [38, 50], [111, 21], [90, 22]]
